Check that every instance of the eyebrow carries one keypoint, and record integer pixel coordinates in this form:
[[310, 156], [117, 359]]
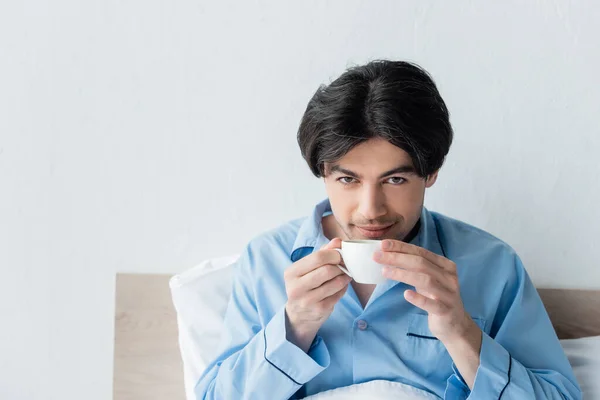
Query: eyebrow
[[403, 169]]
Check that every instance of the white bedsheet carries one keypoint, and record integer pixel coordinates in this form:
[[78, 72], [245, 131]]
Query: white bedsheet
[[375, 390]]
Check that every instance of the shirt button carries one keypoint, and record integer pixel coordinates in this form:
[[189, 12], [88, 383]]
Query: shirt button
[[362, 325]]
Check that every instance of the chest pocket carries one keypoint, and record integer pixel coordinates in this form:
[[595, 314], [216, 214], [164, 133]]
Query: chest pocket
[[418, 326], [422, 348]]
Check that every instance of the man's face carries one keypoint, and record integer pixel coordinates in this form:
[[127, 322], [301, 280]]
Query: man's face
[[374, 191]]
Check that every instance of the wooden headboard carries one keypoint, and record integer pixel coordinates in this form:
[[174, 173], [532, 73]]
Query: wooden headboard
[[147, 364], [574, 313]]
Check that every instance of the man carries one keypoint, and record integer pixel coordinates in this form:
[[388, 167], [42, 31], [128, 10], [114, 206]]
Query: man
[[458, 315]]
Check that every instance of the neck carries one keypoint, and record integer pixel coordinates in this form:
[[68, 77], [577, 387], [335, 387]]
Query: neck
[[413, 232]]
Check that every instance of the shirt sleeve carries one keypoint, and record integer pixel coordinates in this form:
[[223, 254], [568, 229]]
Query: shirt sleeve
[[522, 357], [255, 361]]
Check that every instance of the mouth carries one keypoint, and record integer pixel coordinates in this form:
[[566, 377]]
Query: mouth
[[374, 231]]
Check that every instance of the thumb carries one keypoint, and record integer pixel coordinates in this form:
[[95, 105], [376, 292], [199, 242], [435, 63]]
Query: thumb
[[335, 243]]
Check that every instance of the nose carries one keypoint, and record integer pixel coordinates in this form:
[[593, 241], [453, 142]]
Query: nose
[[372, 202]]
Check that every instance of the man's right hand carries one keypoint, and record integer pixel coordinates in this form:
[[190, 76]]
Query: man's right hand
[[314, 284]]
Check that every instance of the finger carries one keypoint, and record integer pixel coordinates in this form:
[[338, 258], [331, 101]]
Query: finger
[[316, 260], [410, 262], [398, 246], [319, 276], [424, 303], [319, 259], [334, 298], [335, 243], [423, 282], [329, 288]]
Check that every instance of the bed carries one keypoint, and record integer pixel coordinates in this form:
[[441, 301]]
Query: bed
[[147, 363]]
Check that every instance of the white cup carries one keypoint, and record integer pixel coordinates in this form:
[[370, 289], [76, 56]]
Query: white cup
[[358, 258]]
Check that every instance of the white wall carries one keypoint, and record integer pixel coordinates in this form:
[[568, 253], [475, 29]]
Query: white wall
[[146, 136]]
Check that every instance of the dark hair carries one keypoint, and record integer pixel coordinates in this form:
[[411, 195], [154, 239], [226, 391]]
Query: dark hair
[[394, 100]]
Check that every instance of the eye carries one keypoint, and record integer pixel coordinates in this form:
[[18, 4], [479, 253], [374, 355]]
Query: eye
[[396, 180], [346, 180]]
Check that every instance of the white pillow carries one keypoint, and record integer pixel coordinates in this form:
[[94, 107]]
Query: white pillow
[[374, 390], [584, 356], [200, 296]]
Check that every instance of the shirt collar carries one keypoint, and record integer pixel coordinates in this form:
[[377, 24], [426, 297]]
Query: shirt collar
[[310, 234]]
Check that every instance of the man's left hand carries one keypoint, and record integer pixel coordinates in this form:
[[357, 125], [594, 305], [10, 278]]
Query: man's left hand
[[436, 282]]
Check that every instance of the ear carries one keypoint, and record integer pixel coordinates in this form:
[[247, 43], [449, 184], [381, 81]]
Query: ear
[[431, 179]]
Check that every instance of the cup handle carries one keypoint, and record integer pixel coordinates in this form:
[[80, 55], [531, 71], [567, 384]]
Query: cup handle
[[342, 268]]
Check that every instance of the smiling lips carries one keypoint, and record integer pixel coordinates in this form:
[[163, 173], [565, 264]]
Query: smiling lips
[[374, 231]]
